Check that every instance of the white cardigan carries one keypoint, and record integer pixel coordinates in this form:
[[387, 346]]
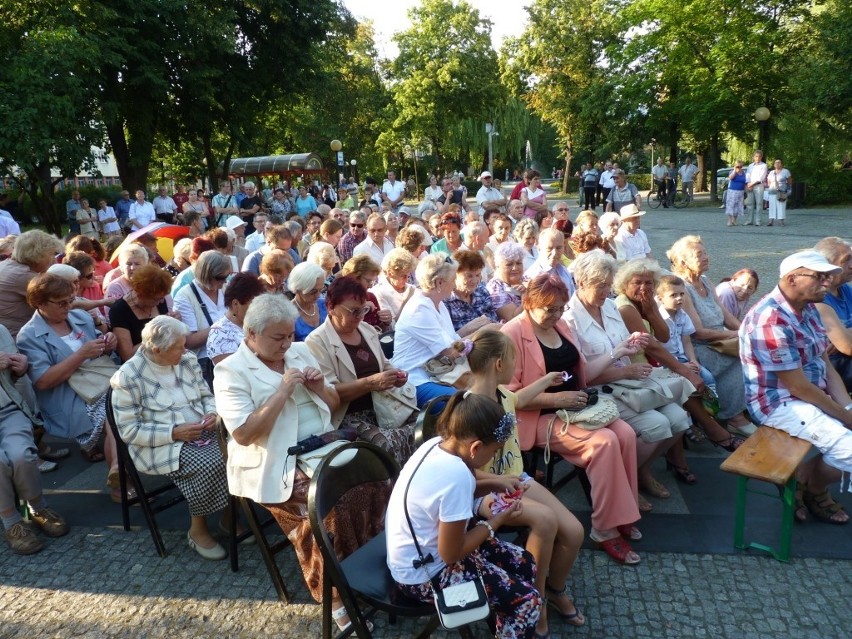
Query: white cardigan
[[262, 471]]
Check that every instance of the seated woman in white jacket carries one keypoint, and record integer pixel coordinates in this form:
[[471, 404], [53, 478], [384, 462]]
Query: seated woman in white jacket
[[271, 395]]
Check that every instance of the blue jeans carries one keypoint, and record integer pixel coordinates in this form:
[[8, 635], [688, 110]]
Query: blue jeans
[[430, 390], [706, 376]]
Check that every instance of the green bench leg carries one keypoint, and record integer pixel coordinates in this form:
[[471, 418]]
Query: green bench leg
[[786, 537], [786, 533]]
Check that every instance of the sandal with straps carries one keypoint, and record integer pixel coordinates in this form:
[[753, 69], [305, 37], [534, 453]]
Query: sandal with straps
[[730, 444], [618, 548], [823, 507], [340, 613], [682, 473], [575, 618]]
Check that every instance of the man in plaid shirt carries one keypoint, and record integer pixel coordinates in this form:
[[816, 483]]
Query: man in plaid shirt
[[790, 384]]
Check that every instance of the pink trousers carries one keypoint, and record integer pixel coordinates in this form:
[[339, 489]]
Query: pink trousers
[[609, 457]]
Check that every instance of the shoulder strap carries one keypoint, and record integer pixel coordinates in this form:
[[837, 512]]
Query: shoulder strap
[[405, 301], [421, 561], [202, 304]]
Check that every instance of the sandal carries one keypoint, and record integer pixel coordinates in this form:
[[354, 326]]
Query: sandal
[[630, 532], [575, 618], [340, 613], [618, 549], [654, 488], [645, 506], [695, 435], [800, 513], [730, 444], [682, 473], [95, 455], [823, 507], [53, 455], [45, 466]]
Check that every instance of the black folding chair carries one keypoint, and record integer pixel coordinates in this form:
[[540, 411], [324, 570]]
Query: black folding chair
[[256, 527], [532, 458], [128, 476], [424, 427]]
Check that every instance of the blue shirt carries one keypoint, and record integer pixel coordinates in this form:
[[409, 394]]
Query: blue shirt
[[842, 304], [303, 329], [122, 210], [303, 207], [463, 313]]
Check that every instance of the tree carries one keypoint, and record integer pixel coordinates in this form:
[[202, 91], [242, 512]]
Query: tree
[[48, 114], [446, 71]]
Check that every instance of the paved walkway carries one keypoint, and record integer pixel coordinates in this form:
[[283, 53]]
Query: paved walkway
[[100, 581]]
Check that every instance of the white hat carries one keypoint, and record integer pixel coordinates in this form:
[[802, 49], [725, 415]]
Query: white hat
[[628, 211], [485, 174], [234, 221], [807, 259]]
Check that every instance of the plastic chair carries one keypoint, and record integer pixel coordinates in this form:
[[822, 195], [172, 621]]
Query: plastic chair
[[128, 476], [424, 428], [256, 527], [363, 577]]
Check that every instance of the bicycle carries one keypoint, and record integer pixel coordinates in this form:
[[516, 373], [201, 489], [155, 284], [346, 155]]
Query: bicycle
[[674, 198]]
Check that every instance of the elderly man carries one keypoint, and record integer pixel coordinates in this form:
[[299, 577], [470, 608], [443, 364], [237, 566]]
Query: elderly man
[[687, 173], [164, 206], [501, 231], [355, 235], [475, 238], [515, 211], [551, 246], [488, 193], [630, 241], [122, 208], [836, 309], [451, 196], [251, 204], [277, 237], [660, 175], [790, 384], [606, 182], [755, 177], [141, 212], [393, 192], [377, 245], [71, 208], [224, 204], [257, 239]]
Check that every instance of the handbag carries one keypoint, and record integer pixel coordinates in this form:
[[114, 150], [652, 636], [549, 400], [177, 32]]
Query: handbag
[[461, 603], [448, 371], [781, 196], [594, 417], [394, 406], [91, 380], [661, 387], [729, 346]]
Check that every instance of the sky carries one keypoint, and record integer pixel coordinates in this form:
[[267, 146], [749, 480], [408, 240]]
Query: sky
[[505, 14]]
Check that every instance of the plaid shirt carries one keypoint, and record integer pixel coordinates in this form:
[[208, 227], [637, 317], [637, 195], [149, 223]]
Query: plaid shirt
[[502, 294], [774, 337], [462, 313], [347, 245]]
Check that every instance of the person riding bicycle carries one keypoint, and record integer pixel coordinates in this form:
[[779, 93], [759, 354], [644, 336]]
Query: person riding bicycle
[[660, 175]]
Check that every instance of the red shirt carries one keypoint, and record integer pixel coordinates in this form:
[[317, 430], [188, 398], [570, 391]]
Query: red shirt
[[180, 199], [516, 192]]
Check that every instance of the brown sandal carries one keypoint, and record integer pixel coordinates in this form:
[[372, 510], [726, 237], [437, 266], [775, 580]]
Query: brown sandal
[[823, 507]]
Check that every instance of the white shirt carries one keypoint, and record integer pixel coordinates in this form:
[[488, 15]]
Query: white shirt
[[659, 172], [186, 304], [596, 340], [422, 331], [143, 213], [541, 265], [441, 490], [687, 172], [629, 247], [255, 241], [432, 193], [390, 299], [679, 325], [607, 181], [164, 205], [369, 247], [756, 173], [393, 191], [8, 226], [487, 194]]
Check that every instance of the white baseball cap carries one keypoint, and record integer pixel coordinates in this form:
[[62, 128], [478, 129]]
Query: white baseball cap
[[234, 221], [484, 175], [807, 259]]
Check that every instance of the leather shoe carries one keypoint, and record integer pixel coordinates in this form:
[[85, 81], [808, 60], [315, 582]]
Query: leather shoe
[[215, 553]]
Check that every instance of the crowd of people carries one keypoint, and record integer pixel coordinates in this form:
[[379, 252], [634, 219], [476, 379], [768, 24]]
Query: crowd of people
[[303, 325]]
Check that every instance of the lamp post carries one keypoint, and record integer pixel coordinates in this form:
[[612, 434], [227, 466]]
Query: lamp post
[[489, 129], [354, 166], [762, 115], [336, 146]]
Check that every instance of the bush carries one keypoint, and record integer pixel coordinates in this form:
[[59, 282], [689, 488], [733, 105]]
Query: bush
[[830, 188], [642, 181]]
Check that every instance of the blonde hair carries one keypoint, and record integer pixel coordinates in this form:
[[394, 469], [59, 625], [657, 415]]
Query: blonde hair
[[359, 266], [35, 246], [633, 268], [681, 250], [432, 267]]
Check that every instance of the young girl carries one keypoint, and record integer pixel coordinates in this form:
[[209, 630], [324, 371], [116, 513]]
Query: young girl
[[440, 501], [555, 534], [735, 292]]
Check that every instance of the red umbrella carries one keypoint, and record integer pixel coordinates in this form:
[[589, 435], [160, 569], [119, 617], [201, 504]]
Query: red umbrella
[[160, 230]]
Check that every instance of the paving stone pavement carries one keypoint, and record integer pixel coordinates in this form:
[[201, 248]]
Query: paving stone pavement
[[100, 581]]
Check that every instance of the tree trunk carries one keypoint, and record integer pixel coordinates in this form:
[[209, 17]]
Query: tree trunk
[[714, 167], [569, 155], [39, 187], [702, 172]]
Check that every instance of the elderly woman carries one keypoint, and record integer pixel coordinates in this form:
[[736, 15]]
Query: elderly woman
[[393, 291], [226, 334], [201, 302], [33, 253], [200, 245], [322, 254], [271, 395], [167, 417], [306, 283], [424, 329], [275, 268], [595, 320], [130, 257], [609, 223], [451, 240], [87, 218], [544, 345], [470, 304], [506, 287], [147, 299], [366, 272], [414, 239], [351, 359], [526, 234], [180, 259], [57, 341], [712, 322], [636, 283]]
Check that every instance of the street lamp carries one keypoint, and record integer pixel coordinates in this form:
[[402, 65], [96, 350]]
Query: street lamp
[[336, 146], [354, 173], [762, 115], [489, 129]]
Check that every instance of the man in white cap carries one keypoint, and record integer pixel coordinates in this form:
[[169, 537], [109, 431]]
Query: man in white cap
[[488, 193], [630, 241], [790, 384]]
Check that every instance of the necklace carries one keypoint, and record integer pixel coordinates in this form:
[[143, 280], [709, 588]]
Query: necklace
[[299, 306]]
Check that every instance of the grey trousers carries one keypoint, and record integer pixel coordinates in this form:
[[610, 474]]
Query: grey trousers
[[18, 458]]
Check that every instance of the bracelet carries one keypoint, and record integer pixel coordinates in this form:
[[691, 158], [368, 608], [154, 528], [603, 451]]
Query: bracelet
[[483, 522], [848, 406]]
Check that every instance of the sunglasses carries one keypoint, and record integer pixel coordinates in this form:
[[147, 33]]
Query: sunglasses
[[356, 226], [221, 278], [356, 312]]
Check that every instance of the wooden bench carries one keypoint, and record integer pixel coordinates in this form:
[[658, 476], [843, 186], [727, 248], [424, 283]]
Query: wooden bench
[[769, 455]]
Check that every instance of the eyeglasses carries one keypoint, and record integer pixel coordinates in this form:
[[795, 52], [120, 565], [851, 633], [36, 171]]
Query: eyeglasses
[[819, 277], [553, 310], [63, 303], [356, 312], [356, 226], [221, 278], [451, 220], [90, 276]]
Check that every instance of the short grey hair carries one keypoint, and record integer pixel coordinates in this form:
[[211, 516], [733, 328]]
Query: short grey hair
[[832, 248], [475, 228], [432, 267], [209, 265], [593, 267], [303, 277], [35, 246], [631, 269], [508, 252], [161, 333], [605, 220], [132, 250], [525, 228], [65, 271], [183, 248], [548, 233], [267, 309], [358, 215], [248, 184]]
